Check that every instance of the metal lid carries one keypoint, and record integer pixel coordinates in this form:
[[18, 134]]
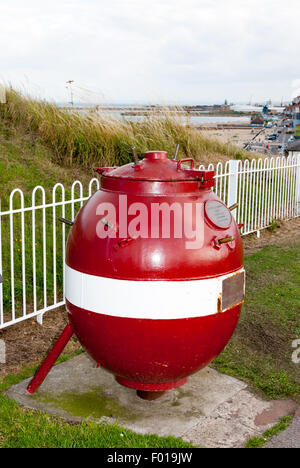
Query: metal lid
[[157, 167]]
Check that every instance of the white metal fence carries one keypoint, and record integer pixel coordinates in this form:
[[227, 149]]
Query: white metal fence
[[32, 242], [265, 189], [32, 250]]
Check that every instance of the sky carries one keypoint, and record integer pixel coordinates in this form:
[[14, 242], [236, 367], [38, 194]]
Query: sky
[[181, 51]]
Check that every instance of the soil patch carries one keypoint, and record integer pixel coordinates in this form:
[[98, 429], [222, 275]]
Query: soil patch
[[287, 233], [27, 342]]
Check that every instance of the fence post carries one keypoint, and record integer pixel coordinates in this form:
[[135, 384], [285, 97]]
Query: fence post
[[39, 319], [233, 184], [1, 278], [298, 184], [2, 352], [2, 94]]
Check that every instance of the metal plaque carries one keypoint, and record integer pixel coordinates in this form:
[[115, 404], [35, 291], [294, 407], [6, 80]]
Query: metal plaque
[[233, 290], [218, 214]]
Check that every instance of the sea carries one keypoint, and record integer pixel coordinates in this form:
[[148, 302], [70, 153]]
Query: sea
[[123, 110]]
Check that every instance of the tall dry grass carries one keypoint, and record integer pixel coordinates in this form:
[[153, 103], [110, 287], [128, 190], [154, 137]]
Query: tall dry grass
[[86, 139]]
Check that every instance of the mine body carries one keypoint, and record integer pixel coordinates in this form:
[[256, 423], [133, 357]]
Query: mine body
[[154, 307]]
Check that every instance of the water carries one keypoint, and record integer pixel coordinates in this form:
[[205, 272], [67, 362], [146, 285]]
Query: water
[[218, 119], [193, 119], [258, 109]]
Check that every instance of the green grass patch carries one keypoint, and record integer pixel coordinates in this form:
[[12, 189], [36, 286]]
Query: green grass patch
[[22, 428], [259, 442], [41, 142], [30, 429], [260, 351], [24, 160], [83, 139]]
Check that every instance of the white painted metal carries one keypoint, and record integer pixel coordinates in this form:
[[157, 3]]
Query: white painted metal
[[297, 188], [20, 233], [1, 272], [2, 94], [139, 299], [265, 189]]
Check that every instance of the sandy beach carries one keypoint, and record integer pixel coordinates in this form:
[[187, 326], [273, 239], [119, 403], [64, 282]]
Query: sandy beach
[[238, 136]]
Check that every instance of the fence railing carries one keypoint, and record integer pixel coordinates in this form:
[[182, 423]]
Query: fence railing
[[32, 250], [32, 242], [265, 189]]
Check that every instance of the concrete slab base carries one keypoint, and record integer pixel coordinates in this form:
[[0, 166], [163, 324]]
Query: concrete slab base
[[210, 410]]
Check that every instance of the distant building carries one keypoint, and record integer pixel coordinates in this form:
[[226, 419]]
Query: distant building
[[265, 110], [294, 147], [296, 119], [296, 103], [257, 120], [293, 108]]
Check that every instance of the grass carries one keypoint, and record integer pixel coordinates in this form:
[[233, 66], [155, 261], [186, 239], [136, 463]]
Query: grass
[[25, 162], [38, 142], [85, 139], [274, 226], [259, 442], [43, 144], [22, 428], [260, 351]]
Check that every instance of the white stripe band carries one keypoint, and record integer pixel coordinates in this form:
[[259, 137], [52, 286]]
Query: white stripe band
[[144, 299]]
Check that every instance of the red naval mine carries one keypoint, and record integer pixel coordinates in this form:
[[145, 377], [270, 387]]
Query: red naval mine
[[154, 275]]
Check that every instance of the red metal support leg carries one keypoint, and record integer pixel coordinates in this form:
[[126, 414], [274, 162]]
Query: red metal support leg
[[50, 360]]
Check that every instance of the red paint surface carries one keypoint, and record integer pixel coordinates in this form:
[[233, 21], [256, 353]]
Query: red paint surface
[[156, 167], [87, 253], [152, 354], [50, 360], [153, 351], [157, 387]]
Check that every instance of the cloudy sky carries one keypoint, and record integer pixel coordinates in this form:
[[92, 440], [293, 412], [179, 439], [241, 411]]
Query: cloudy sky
[[152, 51]]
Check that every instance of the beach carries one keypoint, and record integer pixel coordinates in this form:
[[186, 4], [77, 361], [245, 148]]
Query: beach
[[235, 135]]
